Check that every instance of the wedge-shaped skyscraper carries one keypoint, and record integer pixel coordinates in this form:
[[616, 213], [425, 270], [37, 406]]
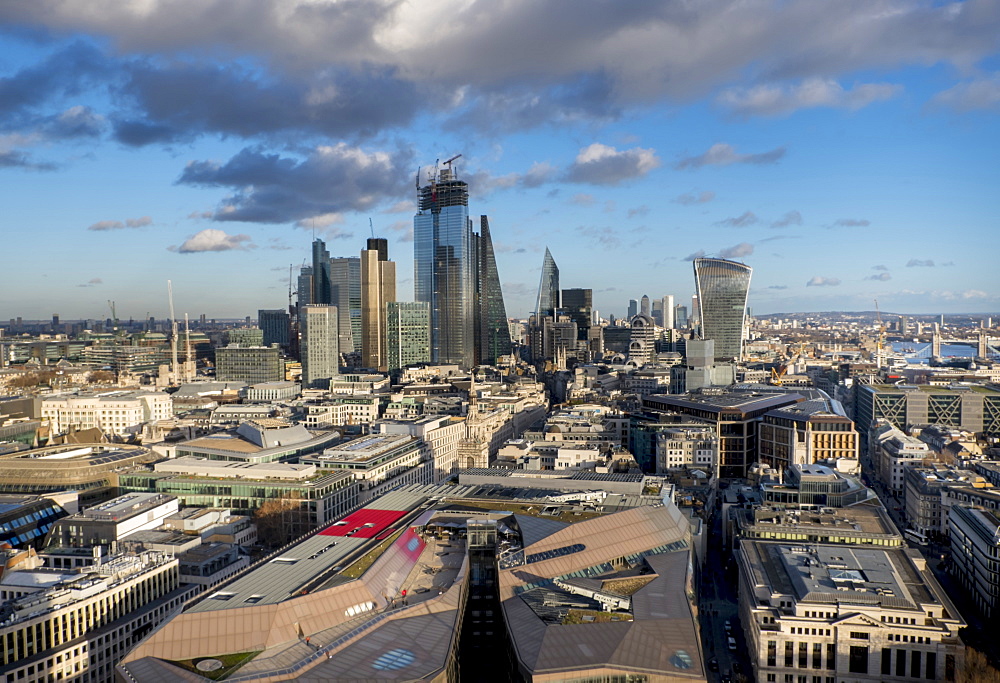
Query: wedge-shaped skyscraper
[[722, 288], [493, 331]]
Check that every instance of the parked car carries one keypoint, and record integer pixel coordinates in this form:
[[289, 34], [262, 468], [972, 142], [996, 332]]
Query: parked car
[[731, 642]]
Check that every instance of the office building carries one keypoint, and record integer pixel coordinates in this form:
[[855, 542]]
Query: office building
[[444, 267], [736, 416], [408, 333], [320, 344], [245, 336], [378, 287], [115, 412], [304, 287], [973, 408], [492, 331], [547, 302], [644, 308], [322, 292], [668, 311], [681, 321], [578, 304], [345, 294], [633, 308], [805, 433], [275, 325], [723, 287], [250, 364], [25, 519], [75, 625], [975, 555], [833, 613]]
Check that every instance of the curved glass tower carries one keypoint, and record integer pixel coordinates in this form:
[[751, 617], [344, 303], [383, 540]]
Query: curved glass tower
[[548, 288], [722, 288], [444, 268]]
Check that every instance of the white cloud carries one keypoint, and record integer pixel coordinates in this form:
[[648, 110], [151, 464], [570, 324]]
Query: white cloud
[[818, 281], [690, 198], [211, 239], [980, 93], [775, 100]]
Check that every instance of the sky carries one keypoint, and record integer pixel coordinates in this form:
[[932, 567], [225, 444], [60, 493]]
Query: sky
[[847, 151]]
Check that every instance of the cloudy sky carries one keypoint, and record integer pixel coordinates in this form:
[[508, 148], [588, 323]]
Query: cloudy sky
[[846, 150]]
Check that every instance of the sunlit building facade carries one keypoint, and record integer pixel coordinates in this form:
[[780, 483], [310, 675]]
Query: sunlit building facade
[[722, 287]]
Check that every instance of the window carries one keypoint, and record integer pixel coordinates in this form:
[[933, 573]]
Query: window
[[858, 660], [858, 635], [886, 661]]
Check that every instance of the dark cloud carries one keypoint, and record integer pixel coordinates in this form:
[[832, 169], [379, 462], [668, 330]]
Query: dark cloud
[[721, 154], [696, 255], [68, 72], [76, 122], [16, 159], [690, 198], [737, 251], [269, 188], [600, 164], [237, 100], [741, 221], [790, 218], [93, 282], [917, 263], [852, 222], [638, 211], [880, 277], [819, 281]]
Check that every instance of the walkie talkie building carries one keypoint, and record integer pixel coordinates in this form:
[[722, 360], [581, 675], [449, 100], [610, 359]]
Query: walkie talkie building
[[722, 288]]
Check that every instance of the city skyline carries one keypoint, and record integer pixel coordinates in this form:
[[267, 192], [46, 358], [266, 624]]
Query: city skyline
[[843, 151]]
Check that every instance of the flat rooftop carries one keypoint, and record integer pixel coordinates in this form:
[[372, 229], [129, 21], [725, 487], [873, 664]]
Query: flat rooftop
[[366, 447]]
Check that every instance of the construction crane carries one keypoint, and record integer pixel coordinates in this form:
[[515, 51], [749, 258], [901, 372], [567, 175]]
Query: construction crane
[[880, 340], [777, 374], [448, 162], [114, 315]]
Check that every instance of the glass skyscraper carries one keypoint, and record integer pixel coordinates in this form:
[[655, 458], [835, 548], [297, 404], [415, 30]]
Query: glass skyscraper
[[722, 288], [345, 294], [444, 267], [493, 331], [548, 287]]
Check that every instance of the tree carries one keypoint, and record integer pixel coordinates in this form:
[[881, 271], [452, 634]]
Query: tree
[[100, 377], [280, 521], [977, 669]]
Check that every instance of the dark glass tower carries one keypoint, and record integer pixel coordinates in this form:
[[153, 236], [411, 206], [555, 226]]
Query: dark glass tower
[[322, 292], [578, 304], [493, 332], [444, 267], [548, 287], [722, 288], [345, 293]]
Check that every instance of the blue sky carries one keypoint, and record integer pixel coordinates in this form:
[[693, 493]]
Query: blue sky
[[847, 151]]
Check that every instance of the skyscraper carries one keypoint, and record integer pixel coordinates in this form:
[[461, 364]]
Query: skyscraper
[[644, 306], [320, 351], [275, 325], [579, 306], [548, 287], [321, 288], [305, 286], [681, 317], [408, 333], [492, 331], [668, 311], [722, 287], [345, 294], [444, 267], [378, 286], [633, 308]]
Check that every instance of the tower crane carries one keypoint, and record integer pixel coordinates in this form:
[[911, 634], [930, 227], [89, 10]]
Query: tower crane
[[173, 333]]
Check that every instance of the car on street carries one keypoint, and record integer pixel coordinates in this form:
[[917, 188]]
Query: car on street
[[731, 643], [728, 626], [713, 664]]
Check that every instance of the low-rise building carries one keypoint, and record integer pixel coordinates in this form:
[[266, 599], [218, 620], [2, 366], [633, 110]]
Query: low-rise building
[[379, 463], [80, 625], [108, 523], [250, 364], [806, 432], [441, 433], [270, 392], [891, 452], [844, 613], [260, 440], [116, 412]]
